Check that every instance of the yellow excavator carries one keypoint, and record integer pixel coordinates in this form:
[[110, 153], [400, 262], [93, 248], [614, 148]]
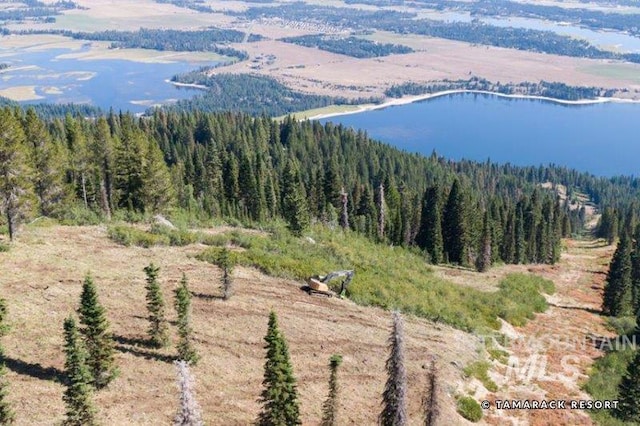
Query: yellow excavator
[[319, 284]]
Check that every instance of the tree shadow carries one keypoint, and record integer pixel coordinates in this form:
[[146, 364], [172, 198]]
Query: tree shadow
[[578, 308], [132, 341], [34, 370], [207, 296], [617, 343], [146, 354]]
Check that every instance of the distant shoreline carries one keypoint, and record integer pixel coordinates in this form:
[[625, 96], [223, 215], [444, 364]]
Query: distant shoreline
[[412, 99], [189, 85]]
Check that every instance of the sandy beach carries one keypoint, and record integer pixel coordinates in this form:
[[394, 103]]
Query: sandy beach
[[411, 99]]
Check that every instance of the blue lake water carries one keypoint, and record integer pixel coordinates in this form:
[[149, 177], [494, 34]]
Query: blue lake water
[[603, 139], [121, 84], [603, 39]]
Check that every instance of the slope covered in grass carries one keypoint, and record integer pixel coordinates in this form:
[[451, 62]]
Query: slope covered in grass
[[389, 277]]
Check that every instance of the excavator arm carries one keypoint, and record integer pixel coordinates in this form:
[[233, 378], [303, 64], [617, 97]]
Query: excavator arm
[[348, 274]]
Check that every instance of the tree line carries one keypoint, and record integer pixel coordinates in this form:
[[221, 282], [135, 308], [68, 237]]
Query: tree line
[[35, 10], [409, 23], [543, 88], [252, 94], [621, 298], [254, 169], [350, 46], [210, 40]]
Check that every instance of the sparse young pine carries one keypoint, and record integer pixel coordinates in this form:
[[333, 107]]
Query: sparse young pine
[[155, 304], [430, 401], [186, 351], [98, 340], [394, 412], [225, 263], [189, 413], [629, 392], [77, 396], [330, 406], [280, 395], [6, 413]]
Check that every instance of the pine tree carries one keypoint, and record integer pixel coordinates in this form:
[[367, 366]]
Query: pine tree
[[330, 406], [394, 412], [280, 395], [508, 248], [635, 271], [344, 213], [157, 190], [225, 263], [15, 173], [617, 291], [429, 236], [454, 232], [629, 392], [129, 166], [155, 304], [483, 261], [47, 179], [102, 150], [77, 396], [189, 413], [294, 203], [7, 416], [430, 401], [381, 211], [97, 338], [186, 351]]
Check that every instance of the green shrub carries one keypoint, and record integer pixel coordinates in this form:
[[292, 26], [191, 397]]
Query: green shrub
[[469, 408], [499, 355], [604, 378], [176, 237], [4, 247], [480, 370], [623, 326], [128, 236], [388, 277], [519, 297], [78, 215]]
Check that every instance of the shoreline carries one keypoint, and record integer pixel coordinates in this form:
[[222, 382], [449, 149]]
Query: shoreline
[[418, 98], [188, 85]]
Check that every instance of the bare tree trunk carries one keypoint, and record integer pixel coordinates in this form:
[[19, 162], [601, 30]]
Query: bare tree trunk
[[344, 216], [10, 224], [381, 217], [105, 200], [84, 191], [431, 404]]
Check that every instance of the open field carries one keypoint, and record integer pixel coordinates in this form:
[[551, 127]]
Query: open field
[[314, 71], [21, 93], [42, 280]]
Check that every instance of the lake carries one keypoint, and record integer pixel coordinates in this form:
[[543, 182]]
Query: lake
[[121, 84], [608, 40], [603, 139]]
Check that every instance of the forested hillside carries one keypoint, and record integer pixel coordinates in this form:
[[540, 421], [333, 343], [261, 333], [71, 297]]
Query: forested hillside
[[240, 168]]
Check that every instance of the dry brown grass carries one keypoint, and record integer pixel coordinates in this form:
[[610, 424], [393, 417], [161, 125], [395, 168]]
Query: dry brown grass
[[41, 280], [572, 317]]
